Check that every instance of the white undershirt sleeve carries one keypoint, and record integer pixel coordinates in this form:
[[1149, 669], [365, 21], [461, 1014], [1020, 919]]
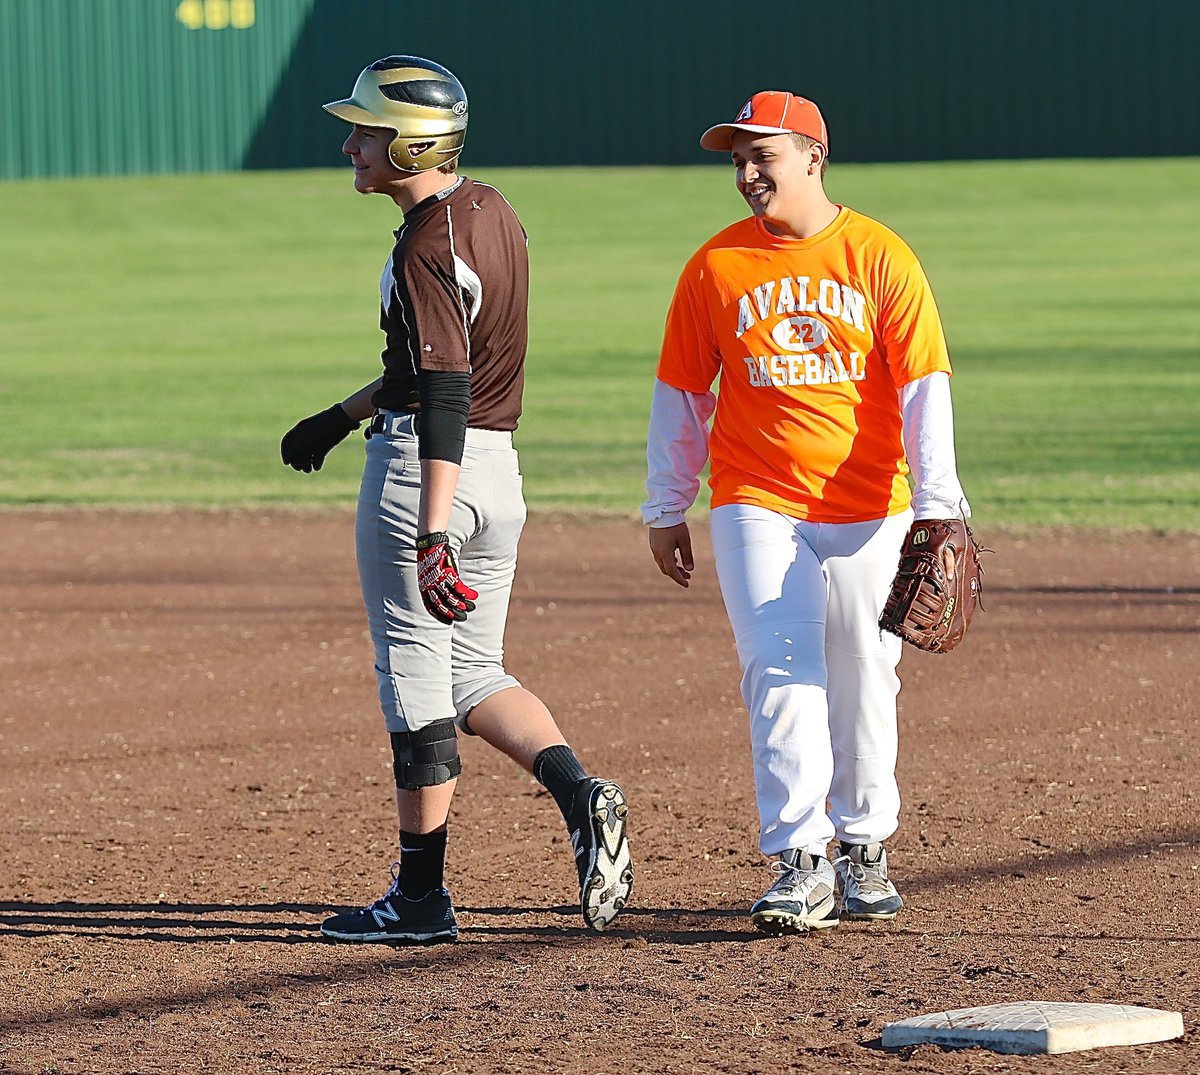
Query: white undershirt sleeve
[[676, 451], [929, 444]]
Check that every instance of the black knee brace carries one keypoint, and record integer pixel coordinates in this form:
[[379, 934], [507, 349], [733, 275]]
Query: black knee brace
[[426, 757]]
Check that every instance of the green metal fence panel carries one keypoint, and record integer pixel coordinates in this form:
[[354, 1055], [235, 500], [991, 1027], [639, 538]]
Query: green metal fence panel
[[104, 86], [120, 86], [637, 81]]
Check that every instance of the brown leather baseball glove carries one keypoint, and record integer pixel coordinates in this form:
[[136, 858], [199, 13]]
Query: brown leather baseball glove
[[937, 586]]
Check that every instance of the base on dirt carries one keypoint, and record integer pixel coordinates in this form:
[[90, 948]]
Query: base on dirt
[[1037, 1027]]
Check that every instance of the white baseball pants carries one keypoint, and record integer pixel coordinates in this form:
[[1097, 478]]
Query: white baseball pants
[[818, 675]]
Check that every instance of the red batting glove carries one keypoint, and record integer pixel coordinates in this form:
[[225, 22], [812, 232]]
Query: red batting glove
[[446, 596]]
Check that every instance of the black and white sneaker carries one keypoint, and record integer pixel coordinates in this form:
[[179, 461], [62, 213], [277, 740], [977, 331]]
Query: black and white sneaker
[[866, 891], [802, 897], [597, 827], [392, 919]]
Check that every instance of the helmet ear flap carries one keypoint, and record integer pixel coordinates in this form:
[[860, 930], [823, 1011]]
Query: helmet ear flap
[[421, 101], [422, 154]]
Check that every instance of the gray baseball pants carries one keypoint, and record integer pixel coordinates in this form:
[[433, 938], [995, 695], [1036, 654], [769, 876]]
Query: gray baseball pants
[[430, 671]]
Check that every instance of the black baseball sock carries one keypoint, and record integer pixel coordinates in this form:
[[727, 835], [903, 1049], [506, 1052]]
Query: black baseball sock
[[559, 772], [422, 863]]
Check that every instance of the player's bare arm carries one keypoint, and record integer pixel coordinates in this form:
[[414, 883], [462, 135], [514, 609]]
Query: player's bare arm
[[439, 479], [358, 405]]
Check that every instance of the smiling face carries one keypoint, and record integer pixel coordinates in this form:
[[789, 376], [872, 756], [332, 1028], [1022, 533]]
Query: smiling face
[[374, 172], [778, 178]]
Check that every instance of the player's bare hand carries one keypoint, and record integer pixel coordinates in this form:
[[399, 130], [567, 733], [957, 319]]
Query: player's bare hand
[[949, 556], [671, 547], [445, 596]]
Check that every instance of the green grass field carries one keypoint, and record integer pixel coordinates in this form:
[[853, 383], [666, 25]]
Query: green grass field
[[158, 335]]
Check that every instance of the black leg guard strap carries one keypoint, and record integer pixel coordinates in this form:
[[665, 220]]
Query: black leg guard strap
[[426, 757]]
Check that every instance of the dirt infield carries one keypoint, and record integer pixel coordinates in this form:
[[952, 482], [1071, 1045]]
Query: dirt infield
[[195, 773]]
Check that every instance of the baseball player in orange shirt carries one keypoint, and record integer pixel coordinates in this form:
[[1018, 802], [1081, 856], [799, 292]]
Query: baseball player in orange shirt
[[834, 389]]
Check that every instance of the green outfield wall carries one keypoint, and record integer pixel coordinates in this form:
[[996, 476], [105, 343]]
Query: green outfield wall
[[129, 86]]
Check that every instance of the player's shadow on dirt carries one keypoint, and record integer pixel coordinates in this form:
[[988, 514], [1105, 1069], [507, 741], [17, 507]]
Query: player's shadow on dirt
[[203, 923], [659, 925], [1055, 862], [176, 922], [297, 923], [1082, 600], [1092, 591]]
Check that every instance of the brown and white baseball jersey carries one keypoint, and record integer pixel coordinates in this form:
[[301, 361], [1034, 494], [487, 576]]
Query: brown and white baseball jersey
[[455, 297]]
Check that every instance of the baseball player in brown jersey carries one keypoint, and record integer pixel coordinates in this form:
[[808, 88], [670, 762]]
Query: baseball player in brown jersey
[[440, 510]]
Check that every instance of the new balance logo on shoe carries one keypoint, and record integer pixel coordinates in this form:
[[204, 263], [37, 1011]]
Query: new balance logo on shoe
[[392, 919], [384, 912]]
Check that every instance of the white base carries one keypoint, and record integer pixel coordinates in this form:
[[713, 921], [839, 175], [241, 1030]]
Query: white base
[[1035, 1026]]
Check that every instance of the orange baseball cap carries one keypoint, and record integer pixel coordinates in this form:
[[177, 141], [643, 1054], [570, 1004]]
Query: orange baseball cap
[[770, 112]]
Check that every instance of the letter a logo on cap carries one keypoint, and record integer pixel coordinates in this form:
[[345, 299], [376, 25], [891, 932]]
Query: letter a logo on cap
[[769, 112]]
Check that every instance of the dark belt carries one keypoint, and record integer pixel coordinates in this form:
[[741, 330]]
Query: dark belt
[[379, 423]]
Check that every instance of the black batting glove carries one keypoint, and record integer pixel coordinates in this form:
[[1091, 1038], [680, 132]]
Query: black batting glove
[[305, 446], [446, 596]]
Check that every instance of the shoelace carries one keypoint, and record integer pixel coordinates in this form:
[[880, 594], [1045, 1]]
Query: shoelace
[[393, 888], [789, 877], [870, 879]]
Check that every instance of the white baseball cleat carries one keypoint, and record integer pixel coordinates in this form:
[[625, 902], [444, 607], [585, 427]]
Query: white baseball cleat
[[863, 883], [802, 897], [597, 827]]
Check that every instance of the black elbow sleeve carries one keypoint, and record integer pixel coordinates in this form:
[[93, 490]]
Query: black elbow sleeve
[[445, 405]]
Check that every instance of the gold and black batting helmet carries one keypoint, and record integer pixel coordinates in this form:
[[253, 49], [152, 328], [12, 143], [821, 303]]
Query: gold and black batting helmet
[[418, 99]]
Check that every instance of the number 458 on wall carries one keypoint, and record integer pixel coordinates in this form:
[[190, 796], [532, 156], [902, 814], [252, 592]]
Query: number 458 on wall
[[216, 14]]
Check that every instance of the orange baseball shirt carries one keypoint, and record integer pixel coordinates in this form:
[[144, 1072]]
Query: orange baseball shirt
[[812, 338]]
